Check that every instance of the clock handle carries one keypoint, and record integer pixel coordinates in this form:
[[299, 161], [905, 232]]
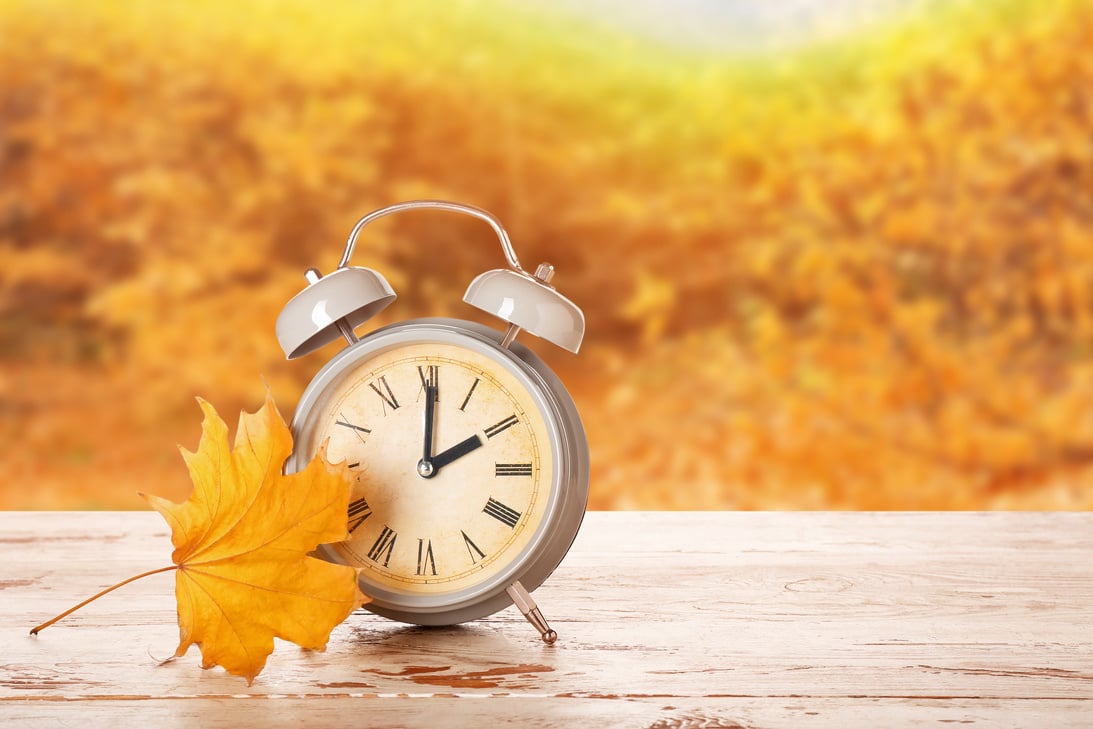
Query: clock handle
[[523, 300], [506, 244], [524, 602]]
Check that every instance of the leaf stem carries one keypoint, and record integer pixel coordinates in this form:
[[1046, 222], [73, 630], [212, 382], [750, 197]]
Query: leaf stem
[[96, 596]]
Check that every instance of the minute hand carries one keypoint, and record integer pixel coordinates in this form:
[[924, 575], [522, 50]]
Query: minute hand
[[459, 450], [430, 407]]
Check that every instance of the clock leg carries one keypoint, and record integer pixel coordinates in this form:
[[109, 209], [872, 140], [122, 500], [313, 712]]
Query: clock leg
[[510, 335], [312, 275], [523, 600]]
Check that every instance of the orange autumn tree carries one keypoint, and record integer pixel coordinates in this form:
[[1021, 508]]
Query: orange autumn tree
[[854, 275]]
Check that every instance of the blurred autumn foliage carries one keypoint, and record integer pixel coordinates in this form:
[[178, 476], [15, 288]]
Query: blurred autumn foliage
[[849, 274]]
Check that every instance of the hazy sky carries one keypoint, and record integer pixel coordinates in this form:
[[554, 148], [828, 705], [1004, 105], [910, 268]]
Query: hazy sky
[[739, 25]]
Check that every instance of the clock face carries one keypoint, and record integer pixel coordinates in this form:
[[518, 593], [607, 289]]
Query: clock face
[[452, 461]]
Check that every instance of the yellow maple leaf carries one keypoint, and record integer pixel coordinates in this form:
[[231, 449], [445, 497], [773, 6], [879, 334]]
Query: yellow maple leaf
[[243, 574], [242, 541]]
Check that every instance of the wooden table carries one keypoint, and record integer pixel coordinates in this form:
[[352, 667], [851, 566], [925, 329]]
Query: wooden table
[[666, 620]]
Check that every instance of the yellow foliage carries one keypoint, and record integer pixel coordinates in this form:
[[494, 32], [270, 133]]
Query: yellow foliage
[[854, 275]]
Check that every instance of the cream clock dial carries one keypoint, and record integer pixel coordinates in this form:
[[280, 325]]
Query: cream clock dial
[[452, 462], [464, 456]]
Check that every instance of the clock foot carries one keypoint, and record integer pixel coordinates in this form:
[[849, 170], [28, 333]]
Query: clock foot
[[524, 602]]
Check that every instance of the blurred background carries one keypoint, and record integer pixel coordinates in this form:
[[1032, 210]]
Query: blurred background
[[833, 253]]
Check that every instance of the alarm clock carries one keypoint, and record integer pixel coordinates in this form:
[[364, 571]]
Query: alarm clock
[[470, 462]]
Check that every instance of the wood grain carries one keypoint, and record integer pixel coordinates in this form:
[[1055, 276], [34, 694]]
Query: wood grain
[[666, 619]]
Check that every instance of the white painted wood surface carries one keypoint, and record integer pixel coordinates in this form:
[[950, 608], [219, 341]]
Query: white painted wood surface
[[666, 619]]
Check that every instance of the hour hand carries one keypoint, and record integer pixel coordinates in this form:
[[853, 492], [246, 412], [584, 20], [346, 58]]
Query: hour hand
[[459, 450]]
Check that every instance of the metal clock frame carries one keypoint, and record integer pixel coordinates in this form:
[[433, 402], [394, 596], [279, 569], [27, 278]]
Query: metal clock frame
[[336, 304], [569, 449]]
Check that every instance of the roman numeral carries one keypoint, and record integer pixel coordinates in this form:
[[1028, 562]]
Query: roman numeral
[[359, 510], [346, 424], [470, 392], [430, 377], [383, 547], [512, 469], [504, 514], [472, 548], [388, 397], [425, 559], [502, 426], [359, 430]]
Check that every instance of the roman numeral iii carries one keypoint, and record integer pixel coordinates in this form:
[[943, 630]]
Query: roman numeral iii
[[512, 469]]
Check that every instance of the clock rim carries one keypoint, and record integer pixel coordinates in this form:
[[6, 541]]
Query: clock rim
[[569, 445]]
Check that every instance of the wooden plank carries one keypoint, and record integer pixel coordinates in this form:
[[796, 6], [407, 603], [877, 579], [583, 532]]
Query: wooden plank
[[735, 617], [363, 711]]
